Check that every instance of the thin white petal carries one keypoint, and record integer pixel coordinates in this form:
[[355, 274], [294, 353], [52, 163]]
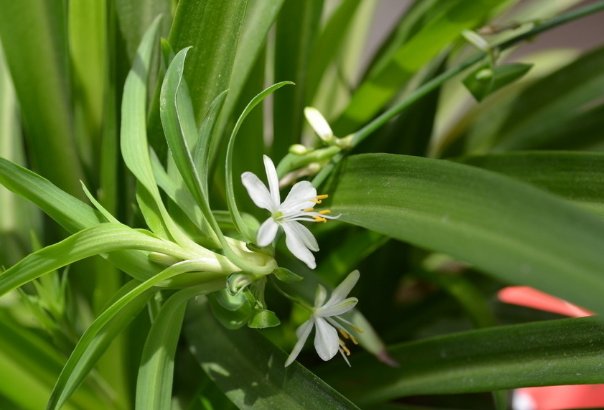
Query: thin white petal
[[318, 123], [300, 197], [326, 339], [267, 232], [273, 179], [257, 191], [341, 292], [302, 332], [296, 246], [337, 309]]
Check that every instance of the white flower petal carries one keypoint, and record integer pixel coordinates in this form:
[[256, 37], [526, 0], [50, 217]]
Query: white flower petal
[[303, 233], [337, 309], [320, 296], [258, 192], [318, 123], [267, 232], [341, 292], [296, 245], [273, 179], [302, 332], [326, 339], [300, 197]]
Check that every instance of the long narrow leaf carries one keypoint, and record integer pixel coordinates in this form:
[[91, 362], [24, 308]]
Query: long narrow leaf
[[536, 354], [511, 230]]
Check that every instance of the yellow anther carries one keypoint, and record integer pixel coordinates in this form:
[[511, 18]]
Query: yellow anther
[[320, 219], [319, 198], [308, 210], [344, 348], [325, 212], [344, 333]]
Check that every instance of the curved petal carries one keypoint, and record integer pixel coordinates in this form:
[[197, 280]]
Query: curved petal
[[300, 197], [257, 191], [296, 245], [304, 234], [326, 339], [337, 309], [273, 179], [267, 232], [343, 289], [320, 296], [302, 332], [318, 123]]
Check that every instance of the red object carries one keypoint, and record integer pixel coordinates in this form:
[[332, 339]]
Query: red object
[[551, 397]]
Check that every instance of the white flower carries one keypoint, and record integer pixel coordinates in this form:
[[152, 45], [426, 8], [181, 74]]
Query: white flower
[[298, 206], [325, 317]]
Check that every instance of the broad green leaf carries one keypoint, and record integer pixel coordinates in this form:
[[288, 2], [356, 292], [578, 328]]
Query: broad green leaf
[[195, 25], [97, 240], [250, 370], [34, 37], [155, 374], [511, 230], [112, 321], [445, 25], [296, 32], [544, 353], [574, 175]]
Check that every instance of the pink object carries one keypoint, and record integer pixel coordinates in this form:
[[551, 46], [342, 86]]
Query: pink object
[[551, 397], [533, 298]]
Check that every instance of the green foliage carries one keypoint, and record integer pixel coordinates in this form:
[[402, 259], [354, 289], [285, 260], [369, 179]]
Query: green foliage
[[135, 270]]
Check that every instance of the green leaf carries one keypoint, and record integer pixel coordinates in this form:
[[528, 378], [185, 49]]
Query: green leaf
[[134, 18], [259, 18], [577, 176], [332, 37], [97, 240], [544, 353], [231, 201], [34, 37], [155, 374], [297, 28], [444, 25], [485, 80], [180, 129], [510, 230], [195, 26], [250, 370], [540, 109], [111, 322], [69, 212], [29, 363]]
